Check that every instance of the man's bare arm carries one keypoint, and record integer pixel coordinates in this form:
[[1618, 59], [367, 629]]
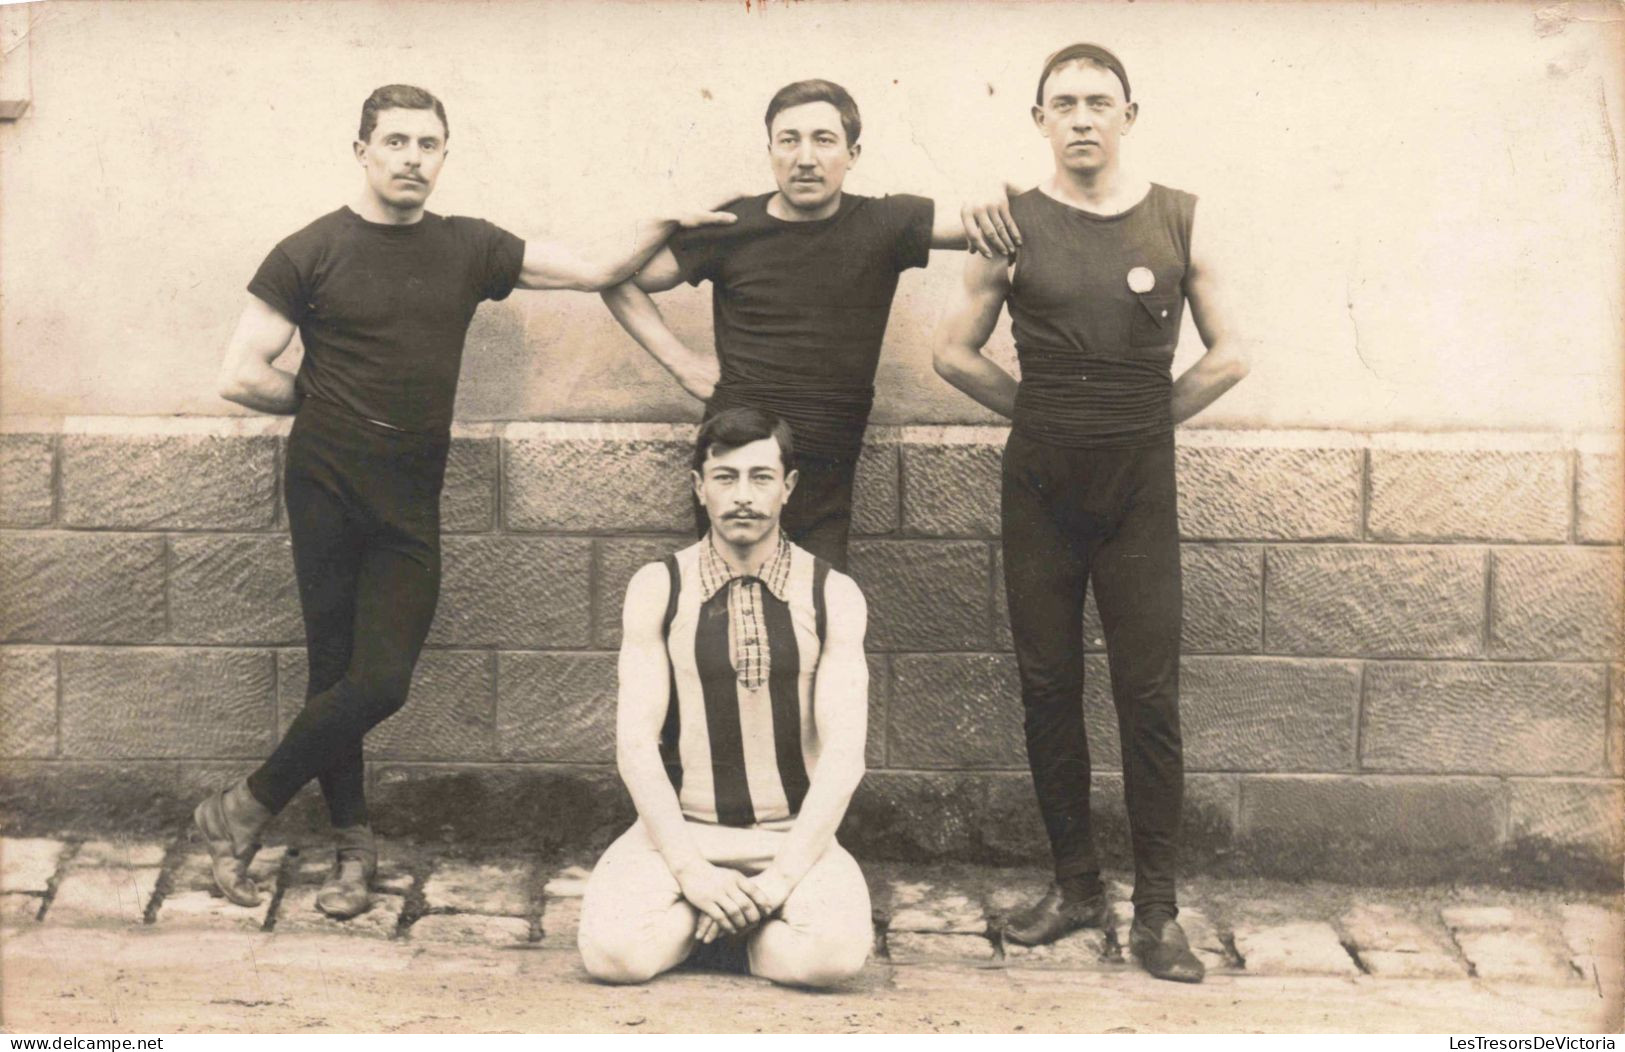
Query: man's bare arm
[[1228, 356], [629, 302], [964, 330], [247, 376], [841, 713], [555, 265], [640, 712], [982, 223]]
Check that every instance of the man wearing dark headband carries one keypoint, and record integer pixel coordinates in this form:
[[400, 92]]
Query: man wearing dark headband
[[1096, 293], [802, 289]]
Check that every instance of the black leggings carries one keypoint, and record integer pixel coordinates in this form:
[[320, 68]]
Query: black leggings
[[1069, 516], [364, 511]]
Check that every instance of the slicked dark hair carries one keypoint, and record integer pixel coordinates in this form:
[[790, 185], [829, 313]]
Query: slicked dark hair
[[733, 428], [804, 91], [1094, 55], [398, 97]]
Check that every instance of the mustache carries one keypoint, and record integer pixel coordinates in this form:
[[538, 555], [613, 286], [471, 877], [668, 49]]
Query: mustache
[[743, 515]]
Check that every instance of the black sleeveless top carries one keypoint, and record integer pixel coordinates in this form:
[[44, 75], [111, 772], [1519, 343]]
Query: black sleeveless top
[[1095, 306]]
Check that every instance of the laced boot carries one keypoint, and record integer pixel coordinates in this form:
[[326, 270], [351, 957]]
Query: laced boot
[[230, 822], [347, 891]]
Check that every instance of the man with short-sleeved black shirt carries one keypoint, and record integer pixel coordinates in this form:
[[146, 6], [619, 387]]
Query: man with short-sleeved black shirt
[[381, 293], [802, 287]]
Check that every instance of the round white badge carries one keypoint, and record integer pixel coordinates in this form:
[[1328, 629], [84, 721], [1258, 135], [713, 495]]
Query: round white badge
[[1140, 279]]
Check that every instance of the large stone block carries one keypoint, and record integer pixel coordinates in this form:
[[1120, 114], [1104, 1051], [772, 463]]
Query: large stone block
[[175, 481], [26, 489], [1207, 822], [544, 808], [880, 690], [149, 797], [1483, 718], [617, 559], [81, 588], [609, 483], [27, 701], [1480, 495], [558, 707], [1599, 509], [1557, 603], [876, 488], [884, 820], [162, 703], [514, 592], [924, 595], [1374, 602], [495, 888], [233, 589], [1301, 948], [450, 711], [952, 489], [1269, 493], [468, 503], [1571, 825], [1421, 828], [1616, 720], [956, 710], [1255, 714]]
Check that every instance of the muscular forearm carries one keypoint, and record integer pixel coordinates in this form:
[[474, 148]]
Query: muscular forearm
[[615, 260], [266, 389], [656, 802], [639, 316], [822, 809], [979, 378], [1220, 369]]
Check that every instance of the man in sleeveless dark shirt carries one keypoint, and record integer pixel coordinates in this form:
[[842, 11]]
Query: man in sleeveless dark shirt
[[759, 645], [1096, 293], [802, 289], [382, 295]]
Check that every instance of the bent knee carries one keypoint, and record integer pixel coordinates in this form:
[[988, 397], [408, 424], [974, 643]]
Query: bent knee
[[823, 962], [623, 964]]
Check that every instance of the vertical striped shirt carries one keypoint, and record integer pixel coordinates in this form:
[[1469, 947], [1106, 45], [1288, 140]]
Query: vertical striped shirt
[[746, 740]]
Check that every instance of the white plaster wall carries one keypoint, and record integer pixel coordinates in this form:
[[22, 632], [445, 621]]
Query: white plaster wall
[[1429, 193]]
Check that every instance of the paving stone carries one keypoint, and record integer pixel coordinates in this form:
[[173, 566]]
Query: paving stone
[[1014, 895], [102, 896], [911, 945], [1302, 948], [120, 853], [1486, 918], [211, 912], [1081, 947], [1514, 956], [561, 920], [297, 914], [19, 910], [941, 913], [1592, 930], [193, 872], [471, 929], [1381, 928], [28, 864], [569, 883], [1400, 964], [494, 888]]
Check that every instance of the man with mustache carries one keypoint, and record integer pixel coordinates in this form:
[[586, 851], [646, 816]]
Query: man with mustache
[[802, 289], [382, 294], [1096, 293], [756, 646]]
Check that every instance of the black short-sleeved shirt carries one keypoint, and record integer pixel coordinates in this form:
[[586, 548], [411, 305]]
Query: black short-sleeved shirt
[[800, 308], [384, 309]]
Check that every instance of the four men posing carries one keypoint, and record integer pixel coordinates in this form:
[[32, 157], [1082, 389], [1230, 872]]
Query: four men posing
[[745, 649]]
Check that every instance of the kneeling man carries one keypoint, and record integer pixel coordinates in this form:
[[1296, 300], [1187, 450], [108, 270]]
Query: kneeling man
[[756, 647]]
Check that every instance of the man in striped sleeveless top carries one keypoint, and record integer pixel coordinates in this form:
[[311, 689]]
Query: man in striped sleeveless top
[[1096, 291], [751, 650]]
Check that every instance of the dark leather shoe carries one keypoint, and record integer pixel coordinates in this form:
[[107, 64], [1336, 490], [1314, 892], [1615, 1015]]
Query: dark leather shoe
[[1052, 918], [229, 823], [1162, 949]]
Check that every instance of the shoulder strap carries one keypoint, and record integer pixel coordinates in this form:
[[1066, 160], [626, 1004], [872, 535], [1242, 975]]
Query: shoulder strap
[[820, 610], [671, 600], [671, 730]]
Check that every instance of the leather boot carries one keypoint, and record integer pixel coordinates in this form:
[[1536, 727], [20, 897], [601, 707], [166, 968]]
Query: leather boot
[[1159, 944], [347, 891], [230, 822], [1052, 917]]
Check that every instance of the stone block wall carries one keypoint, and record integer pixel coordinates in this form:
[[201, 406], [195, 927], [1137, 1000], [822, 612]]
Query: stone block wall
[[1402, 652]]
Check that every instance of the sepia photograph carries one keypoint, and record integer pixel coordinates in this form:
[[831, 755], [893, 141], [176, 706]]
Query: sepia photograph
[[812, 516]]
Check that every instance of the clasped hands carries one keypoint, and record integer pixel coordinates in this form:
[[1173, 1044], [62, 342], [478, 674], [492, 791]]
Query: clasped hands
[[729, 901]]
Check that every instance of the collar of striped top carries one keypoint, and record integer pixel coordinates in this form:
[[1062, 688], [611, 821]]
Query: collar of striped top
[[715, 571]]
